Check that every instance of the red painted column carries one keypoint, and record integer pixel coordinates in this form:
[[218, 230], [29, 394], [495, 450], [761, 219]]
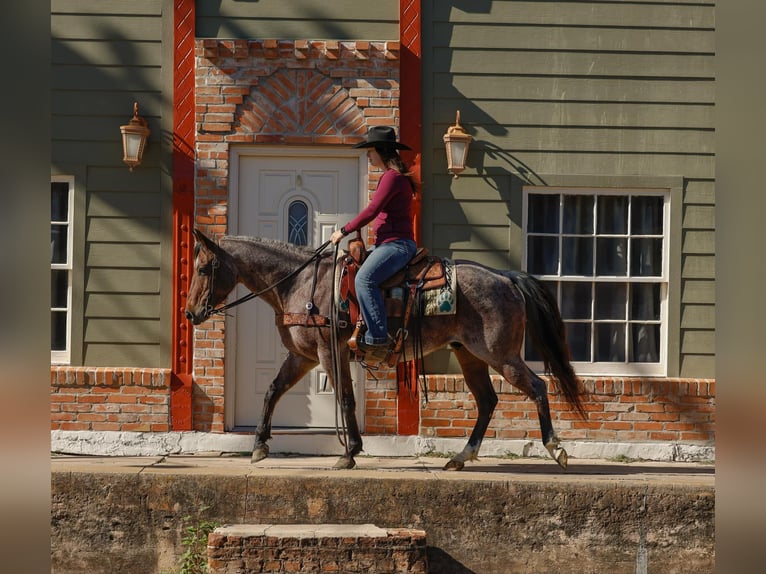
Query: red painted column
[[410, 90], [183, 212]]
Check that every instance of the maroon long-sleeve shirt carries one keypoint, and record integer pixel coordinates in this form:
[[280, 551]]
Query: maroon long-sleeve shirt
[[390, 208]]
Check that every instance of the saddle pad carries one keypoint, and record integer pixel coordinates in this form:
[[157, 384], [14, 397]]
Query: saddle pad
[[442, 301]]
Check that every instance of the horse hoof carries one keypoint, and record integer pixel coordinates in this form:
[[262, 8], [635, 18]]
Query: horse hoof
[[454, 465], [259, 454], [562, 459], [345, 463]]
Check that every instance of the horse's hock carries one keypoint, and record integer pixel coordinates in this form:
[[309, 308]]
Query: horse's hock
[[350, 548]]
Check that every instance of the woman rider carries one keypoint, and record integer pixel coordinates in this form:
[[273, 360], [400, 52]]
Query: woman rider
[[390, 211]]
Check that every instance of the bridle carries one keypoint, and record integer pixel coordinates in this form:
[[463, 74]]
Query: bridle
[[214, 264]]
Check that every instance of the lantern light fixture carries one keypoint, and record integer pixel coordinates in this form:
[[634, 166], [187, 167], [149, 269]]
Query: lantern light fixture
[[134, 136], [457, 141]]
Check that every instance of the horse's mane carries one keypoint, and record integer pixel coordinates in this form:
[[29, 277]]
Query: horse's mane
[[300, 251]]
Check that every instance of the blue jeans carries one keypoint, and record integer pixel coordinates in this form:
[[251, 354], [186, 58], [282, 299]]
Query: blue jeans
[[382, 262]]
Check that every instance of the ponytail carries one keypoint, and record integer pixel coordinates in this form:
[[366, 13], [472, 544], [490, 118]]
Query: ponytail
[[391, 158]]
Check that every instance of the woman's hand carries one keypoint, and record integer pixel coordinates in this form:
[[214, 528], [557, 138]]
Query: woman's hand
[[336, 236]]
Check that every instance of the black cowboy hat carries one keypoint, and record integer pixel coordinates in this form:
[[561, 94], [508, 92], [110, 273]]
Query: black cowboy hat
[[382, 136]]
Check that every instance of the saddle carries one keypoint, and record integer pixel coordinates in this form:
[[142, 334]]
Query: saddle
[[423, 272]]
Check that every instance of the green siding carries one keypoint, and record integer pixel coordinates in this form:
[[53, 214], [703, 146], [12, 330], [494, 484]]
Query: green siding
[[575, 93], [104, 56], [299, 19]]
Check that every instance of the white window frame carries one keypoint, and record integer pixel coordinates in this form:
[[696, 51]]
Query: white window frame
[[626, 368], [63, 357]]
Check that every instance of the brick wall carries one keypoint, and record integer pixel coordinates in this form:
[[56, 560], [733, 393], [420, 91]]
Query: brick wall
[[110, 399], [275, 92], [275, 549], [618, 409]]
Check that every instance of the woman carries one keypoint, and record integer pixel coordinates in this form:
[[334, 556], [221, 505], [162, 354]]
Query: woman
[[390, 210]]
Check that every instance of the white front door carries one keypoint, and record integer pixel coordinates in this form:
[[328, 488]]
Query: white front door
[[299, 196]]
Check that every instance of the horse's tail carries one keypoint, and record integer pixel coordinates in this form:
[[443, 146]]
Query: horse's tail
[[548, 336]]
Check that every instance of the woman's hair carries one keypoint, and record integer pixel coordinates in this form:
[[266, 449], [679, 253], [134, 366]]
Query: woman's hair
[[391, 158]]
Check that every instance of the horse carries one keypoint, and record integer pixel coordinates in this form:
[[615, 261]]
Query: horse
[[493, 307]]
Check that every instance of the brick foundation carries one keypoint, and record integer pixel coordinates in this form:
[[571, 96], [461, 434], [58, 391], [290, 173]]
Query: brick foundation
[[110, 399], [319, 548]]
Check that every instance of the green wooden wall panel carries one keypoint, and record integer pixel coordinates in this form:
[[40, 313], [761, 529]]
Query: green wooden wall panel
[[698, 342], [121, 355], [573, 114], [122, 281], [494, 259], [101, 53], [119, 178], [106, 103], [698, 267], [124, 229], [702, 291], [92, 128], [699, 217], [337, 20], [506, 160], [488, 213], [137, 306], [106, 27], [698, 317], [595, 139], [662, 91], [458, 35], [122, 330], [471, 237], [110, 7], [701, 192], [491, 61], [618, 14], [698, 366], [699, 242], [135, 78], [116, 255], [118, 204]]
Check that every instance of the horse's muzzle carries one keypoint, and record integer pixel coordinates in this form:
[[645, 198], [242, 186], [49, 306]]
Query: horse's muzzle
[[195, 319]]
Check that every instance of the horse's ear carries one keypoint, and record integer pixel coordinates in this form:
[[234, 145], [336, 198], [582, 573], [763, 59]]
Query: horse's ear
[[202, 238]]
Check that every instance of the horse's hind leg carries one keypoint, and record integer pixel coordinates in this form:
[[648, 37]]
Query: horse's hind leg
[[476, 373], [521, 376], [293, 369]]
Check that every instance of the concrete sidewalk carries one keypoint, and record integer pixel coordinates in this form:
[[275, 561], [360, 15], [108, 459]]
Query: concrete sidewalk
[[412, 468]]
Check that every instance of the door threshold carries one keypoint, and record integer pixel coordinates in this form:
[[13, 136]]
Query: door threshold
[[287, 430]]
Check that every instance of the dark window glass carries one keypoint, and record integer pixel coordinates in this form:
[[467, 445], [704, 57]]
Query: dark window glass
[[577, 256], [543, 255], [578, 214], [612, 215], [646, 215], [611, 300], [298, 223], [543, 214]]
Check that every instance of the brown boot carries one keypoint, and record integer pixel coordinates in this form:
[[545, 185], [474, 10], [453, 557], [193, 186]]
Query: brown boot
[[373, 354]]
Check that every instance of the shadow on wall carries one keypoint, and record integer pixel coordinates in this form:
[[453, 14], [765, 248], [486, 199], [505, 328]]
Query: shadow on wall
[[441, 562]]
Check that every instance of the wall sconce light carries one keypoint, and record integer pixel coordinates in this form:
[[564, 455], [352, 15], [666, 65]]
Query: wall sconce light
[[134, 136], [457, 141]]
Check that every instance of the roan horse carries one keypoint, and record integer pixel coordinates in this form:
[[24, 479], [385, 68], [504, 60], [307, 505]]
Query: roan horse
[[486, 331]]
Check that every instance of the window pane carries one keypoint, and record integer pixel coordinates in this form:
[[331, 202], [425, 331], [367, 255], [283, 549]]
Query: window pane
[[59, 284], [646, 257], [578, 338], [58, 243], [611, 299], [645, 343], [611, 256], [298, 223], [58, 330], [645, 301], [577, 256], [578, 214], [610, 342], [575, 300], [646, 215], [543, 214], [543, 255], [612, 215], [59, 201]]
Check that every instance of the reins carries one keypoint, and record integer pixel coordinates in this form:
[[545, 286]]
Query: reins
[[221, 310]]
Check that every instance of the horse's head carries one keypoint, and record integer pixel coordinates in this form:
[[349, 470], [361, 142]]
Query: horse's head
[[213, 278]]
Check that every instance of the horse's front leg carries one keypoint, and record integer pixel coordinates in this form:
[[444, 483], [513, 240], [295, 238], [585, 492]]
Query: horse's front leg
[[293, 369], [352, 437]]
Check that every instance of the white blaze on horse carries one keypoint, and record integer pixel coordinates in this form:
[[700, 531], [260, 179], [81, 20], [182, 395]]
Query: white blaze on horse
[[493, 308]]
